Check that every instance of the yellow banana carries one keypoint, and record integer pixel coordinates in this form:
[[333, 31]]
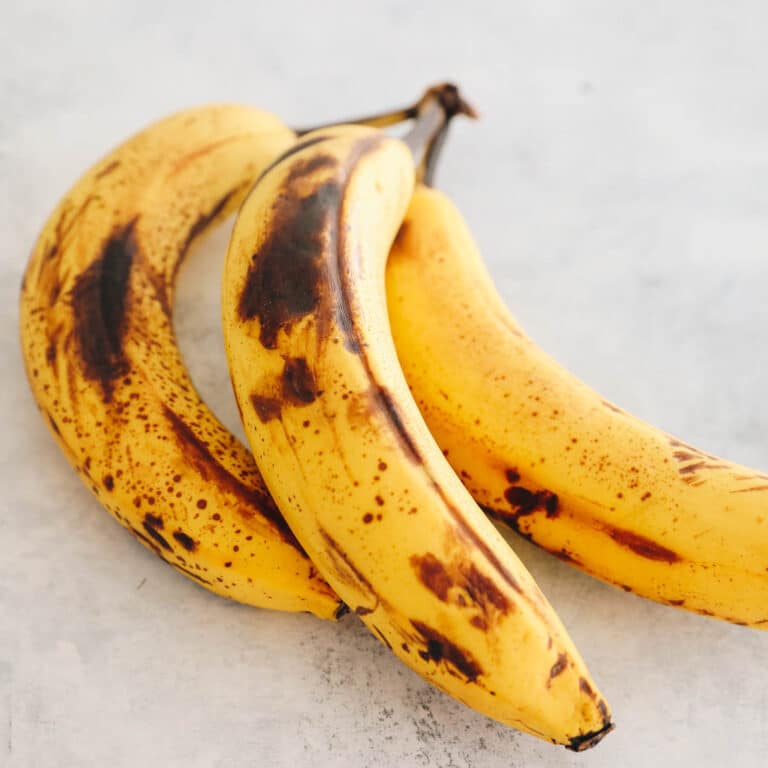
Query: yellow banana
[[105, 370], [550, 457], [347, 456]]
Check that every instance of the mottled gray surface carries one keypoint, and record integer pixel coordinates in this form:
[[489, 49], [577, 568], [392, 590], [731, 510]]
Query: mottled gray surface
[[618, 186]]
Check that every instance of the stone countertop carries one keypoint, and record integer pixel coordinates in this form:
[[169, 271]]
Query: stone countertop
[[617, 185]]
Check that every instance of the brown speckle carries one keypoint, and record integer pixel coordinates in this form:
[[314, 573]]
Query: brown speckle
[[109, 482], [585, 687], [202, 503], [185, 540], [559, 666]]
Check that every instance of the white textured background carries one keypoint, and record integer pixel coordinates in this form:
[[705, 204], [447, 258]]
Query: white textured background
[[618, 186]]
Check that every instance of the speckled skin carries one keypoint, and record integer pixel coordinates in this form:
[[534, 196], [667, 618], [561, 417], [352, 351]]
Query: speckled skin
[[100, 353], [349, 460], [548, 456]]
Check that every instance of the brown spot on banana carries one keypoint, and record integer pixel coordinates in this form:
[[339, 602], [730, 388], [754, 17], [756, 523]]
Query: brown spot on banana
[[750, 490], [107, 169], [439, 648], [642, 546], [433, 575], [480, 591], [185, 540], [284, 278], [558, 667], [99, 298], [267, 408], [298, 382]]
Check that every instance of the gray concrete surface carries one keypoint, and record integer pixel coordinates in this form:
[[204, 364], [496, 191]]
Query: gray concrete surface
[[618, 187]]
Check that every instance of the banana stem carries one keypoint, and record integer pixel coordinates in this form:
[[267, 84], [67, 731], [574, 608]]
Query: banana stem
[[445, 94], [380, 120], [426, 174], [439, 105]]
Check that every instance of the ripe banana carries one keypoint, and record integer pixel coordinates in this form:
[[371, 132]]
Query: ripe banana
[[106, 372], [347, 456], [554, 460]]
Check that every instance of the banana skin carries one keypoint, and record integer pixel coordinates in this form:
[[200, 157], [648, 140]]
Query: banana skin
[[552, 459], [107, 375], [348, 458]]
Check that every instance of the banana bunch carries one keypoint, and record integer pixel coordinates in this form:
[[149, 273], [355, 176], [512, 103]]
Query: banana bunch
[[372, 408]]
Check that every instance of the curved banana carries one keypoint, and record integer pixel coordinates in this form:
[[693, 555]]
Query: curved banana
[[106, 372], [347, 456], [550, 457]]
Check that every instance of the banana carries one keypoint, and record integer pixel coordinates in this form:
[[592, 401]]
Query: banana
[[101, 357], [347, 456], [551, 458]]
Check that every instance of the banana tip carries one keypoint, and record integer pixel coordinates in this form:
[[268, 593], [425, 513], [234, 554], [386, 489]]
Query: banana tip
[[588, 740], [341, 610]]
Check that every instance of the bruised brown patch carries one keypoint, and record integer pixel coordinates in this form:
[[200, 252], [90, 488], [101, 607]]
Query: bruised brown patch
[[481, 591], [440, 649], [298, 381], [484, 591], [643, 546], [433, 575], [99, 300], [285, 277], [267, 408], [525, 502]]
